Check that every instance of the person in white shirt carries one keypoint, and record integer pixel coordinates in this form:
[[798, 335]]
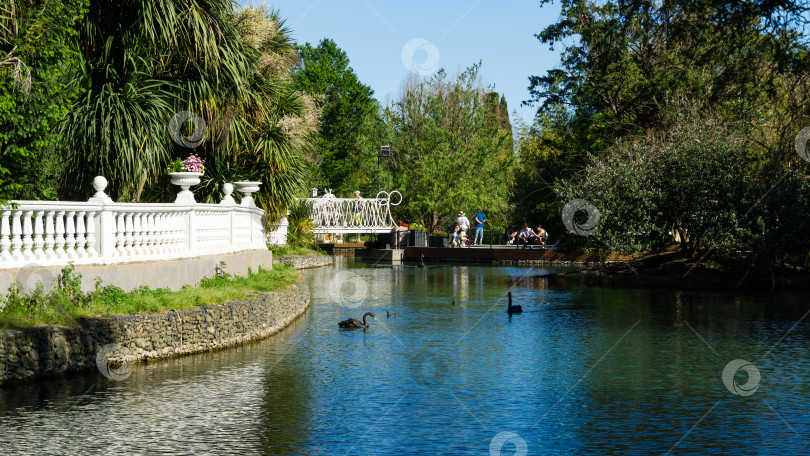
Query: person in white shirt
[[526, 236], [464, 223]]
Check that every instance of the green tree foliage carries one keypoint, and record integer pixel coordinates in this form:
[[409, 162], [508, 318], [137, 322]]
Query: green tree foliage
[[300, 225], [673, 117], [544, 162], [695, 183], [622, 61], [139, 65], [36, 56], [450, 150], [229, 67], [346, 151], [281, 121]]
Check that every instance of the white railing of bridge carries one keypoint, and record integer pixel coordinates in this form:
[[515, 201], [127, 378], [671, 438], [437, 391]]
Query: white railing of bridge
[[104, 232], [338, 215]]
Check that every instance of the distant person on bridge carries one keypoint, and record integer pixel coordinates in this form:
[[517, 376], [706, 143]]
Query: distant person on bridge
[[526, 236], [511, 234], [480, 218], [455, 242], [358, 207], [540, 236], [464, 223]]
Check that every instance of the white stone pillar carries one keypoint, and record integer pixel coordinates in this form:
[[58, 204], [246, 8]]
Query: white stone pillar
[[5, 235], [49, 240], [39, 242]]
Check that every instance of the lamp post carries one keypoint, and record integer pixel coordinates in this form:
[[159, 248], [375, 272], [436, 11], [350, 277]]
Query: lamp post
[[385, 152]]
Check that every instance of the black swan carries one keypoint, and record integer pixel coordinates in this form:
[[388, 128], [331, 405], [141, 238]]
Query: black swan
[[513, 309], [355, 323], [389, 314], [422, 261], [453, 302]]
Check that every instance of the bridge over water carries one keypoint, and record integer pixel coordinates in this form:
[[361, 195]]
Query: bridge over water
[[339, 215]]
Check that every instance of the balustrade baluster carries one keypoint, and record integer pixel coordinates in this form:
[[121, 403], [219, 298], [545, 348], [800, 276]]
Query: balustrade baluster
[[81, 239], [171, 236], [148, 236], [91, 234], [168, 233], [154, 233], [60, 235], [160, 234], [49, 240], [179, 238], [168, 239], [27, 240], [39, 242], [70, 234], [180, 228], [5, 236], [16, 233], [137, 237], [128, 237], [120, 238]]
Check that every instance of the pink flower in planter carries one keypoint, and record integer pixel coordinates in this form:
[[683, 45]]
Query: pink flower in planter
[[193, 164]]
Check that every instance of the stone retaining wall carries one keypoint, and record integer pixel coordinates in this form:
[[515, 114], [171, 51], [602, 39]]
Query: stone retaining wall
[[306, 262], [45, 351]]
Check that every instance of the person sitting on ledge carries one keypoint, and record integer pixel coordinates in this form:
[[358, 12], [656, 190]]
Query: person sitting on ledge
[[526, 236], [510, 235], [540, 236], [455, 237]]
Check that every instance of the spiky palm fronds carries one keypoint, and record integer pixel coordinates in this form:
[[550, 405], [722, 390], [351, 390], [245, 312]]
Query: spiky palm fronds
[[284, 122], [299, 231], [143, 61]]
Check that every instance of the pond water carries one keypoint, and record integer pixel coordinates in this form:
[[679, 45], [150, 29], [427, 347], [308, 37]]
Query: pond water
[[582, 370]]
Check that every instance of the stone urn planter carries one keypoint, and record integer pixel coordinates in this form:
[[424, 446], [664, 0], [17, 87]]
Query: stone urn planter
[[247, 188], [185, 180]]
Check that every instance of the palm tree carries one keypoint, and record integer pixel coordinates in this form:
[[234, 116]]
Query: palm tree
[[144, 63], [141, 62], [285, 122]]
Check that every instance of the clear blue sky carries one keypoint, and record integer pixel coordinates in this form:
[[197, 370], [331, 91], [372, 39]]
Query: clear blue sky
[[381, 37]]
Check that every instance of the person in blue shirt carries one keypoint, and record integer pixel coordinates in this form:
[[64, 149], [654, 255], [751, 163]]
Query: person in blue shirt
[[480, 218]]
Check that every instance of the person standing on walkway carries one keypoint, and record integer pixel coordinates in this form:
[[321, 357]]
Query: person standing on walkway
[[358, 207], [464, 223], [480, 218]]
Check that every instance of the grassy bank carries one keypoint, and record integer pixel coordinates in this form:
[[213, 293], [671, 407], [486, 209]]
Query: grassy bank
[[66, 303], [286, 250]]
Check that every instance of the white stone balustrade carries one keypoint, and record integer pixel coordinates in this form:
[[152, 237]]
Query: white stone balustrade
[[104, 232]]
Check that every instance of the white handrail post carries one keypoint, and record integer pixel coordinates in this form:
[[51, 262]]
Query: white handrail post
[[91, 235], [70, 234], [49, 235], [191, 235], [28, 241], [105, 234], [231, 236], [5, 235], [39, 240]]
